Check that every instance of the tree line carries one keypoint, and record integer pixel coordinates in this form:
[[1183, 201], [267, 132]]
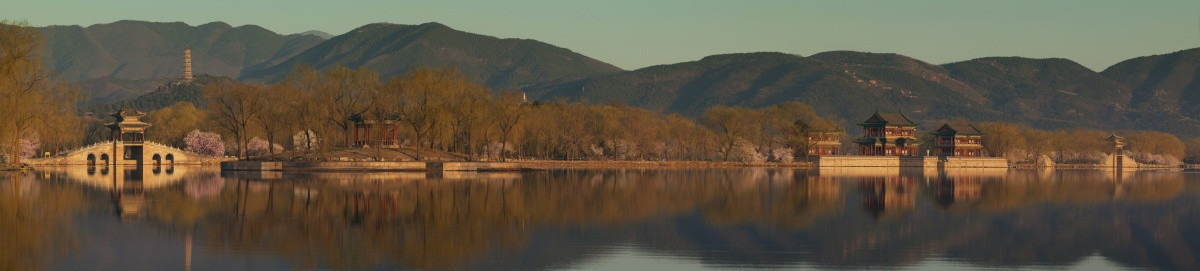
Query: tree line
[[444, 110], [38, 112], [1021, 143]]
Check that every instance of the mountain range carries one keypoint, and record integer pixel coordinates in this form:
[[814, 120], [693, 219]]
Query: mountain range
[[120, 61], [135, 50]]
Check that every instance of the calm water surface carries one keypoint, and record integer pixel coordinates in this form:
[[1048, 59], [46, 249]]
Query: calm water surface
[[198, 219]]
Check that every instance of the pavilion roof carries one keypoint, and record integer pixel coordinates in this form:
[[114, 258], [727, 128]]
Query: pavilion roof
[[820, 125], [897, 119], [367, 119], [960, 128], [127, 112], [128, 125]]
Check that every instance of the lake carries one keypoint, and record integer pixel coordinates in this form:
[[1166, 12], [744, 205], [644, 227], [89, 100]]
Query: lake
[[617, 219]]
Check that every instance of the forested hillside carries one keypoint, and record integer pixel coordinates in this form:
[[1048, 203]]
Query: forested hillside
[[117, 62], [1158, 92], [393, 49], [136, 50]]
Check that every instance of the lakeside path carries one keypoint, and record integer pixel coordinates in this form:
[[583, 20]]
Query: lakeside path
[[555, 164]]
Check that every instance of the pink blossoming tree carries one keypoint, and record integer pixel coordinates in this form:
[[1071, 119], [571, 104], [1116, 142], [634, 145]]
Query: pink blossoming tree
[[204, 143], [30, 145], [258, 146]]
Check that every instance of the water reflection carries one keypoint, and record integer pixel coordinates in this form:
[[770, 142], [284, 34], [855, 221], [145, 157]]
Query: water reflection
[[564, 218]]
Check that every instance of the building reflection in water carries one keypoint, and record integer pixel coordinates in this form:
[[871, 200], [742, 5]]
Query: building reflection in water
[[753, 217], [888, 197]]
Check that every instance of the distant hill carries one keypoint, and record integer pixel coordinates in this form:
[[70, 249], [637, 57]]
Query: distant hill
[[165, 95], [1048, 93], [107, 59], [136, 50], [110, 90], [843, 89], [318, 33], [1047, 89], [116, 62], [393, 49]]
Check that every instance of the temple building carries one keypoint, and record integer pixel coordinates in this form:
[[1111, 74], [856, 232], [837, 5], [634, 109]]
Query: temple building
[[957, 139], [888, 134], [374, 133], [824, 138]]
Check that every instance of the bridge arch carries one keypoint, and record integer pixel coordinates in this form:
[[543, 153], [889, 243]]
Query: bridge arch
[[171, 159], [104, 158], [91, 159], [157, 159]]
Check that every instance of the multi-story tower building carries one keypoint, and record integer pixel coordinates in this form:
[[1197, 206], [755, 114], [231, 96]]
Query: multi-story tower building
[[888, 134], [957, 139], [187, 64], [824, 138]]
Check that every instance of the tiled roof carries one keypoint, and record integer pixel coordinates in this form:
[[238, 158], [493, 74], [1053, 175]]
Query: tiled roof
[[128, 112], [819, 125], [896, 119], [962, 128]]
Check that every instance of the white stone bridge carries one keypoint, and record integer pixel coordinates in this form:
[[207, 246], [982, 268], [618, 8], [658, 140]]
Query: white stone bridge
[[109, 153], [128, 148]]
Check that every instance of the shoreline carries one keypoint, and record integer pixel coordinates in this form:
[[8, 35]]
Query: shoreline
[[584, 164]]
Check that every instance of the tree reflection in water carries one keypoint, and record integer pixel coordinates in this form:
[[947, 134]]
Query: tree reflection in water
[[35, 219], [742, 217]]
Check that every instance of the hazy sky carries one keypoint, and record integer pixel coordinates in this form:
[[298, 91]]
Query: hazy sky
[[636, 34]]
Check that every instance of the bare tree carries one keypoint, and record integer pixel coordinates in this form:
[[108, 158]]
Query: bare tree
[[275, 117], [31, 102], [423, 100], [505, 112], [234, 106], [346, 92], [298, 94]]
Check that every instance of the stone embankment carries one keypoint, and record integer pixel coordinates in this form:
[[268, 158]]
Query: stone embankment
[[334, 166], [614, 164], [909, 161]]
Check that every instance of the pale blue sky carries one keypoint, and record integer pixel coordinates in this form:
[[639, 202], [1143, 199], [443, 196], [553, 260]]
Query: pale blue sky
[[636, 34]]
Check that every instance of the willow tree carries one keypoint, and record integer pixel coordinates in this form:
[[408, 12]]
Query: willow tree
[[505, 113], [1004, 140], [174, 122], [422, 100], [299, 100], [1192, 150], [1153, 142], [345, 92], [788, 125], [32, 103], [234, 106], [732, 124]]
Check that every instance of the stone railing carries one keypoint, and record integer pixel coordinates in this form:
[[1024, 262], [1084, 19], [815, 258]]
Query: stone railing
[[93, 145], [164, 146]]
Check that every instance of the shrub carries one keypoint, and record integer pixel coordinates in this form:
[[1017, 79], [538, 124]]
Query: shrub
[[258, 146], [30, 145], [204, 143], [745, 152], [784, 155], [1153, 159], [303, 143]]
